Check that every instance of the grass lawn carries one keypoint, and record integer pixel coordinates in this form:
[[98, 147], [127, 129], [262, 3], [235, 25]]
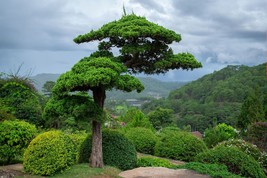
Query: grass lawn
[[84, 171]]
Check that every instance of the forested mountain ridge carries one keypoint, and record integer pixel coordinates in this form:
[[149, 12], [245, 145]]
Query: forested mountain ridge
[[215, 97]]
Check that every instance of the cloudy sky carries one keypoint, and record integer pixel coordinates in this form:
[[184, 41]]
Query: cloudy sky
[[39, 34]]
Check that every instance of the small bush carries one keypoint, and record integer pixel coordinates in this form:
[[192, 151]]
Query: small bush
[[236, 161], [180, 146], [49, 153], [214, 170], [247, 148], [143, 139], [118, 151], [153, 162], [15, 136], [218, 134]]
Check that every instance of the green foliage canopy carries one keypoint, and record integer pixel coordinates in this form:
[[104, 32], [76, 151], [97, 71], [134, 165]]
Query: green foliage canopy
[[143, 45], [92, 73]]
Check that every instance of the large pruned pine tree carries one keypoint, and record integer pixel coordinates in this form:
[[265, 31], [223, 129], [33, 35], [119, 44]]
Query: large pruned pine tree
[[97, 74], [143, 48]]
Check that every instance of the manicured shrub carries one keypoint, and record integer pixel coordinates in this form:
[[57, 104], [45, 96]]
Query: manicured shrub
[[118, 151], [214, 170], [247, 148], [180, 146], [143, 139], [236, 161], [147, 161], [219, 133], [15, 136], [49, 153]]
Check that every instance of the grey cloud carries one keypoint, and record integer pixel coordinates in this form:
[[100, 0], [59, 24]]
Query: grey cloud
[[150, 4]]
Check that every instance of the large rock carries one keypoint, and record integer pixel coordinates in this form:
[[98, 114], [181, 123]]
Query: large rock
[[160, 172]]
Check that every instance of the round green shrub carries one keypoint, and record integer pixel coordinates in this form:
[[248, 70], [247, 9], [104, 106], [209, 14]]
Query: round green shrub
[[49, 153], [143, 139], [219, 133], [118, 151], [236, 161], [247, 148], [180, 146], [15, 136], [153, 162]]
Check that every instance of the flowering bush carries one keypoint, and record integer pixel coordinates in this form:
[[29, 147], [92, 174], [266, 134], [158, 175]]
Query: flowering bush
[[236, 161], [248, 148]]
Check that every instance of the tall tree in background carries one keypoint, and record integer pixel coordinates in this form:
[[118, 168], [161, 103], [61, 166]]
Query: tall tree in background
[[47, 88], [252, 110], [143, 48]]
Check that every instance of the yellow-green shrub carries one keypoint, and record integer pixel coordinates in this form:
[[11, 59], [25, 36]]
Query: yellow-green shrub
[[49, 153]]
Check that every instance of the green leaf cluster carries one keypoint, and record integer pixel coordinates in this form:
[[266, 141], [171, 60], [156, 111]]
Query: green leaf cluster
[[15, 136]]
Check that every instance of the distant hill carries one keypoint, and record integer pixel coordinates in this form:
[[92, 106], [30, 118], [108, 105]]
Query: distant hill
[[215, 97], [153, 87], [40, 79]]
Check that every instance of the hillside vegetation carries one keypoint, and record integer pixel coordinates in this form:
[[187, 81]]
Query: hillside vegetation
[[214, 98]]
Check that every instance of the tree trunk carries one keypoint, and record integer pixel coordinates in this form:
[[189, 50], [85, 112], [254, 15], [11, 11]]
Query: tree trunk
[[96, 158]]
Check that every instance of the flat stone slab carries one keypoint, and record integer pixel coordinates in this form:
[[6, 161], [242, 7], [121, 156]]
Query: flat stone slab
[[161, 172]]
